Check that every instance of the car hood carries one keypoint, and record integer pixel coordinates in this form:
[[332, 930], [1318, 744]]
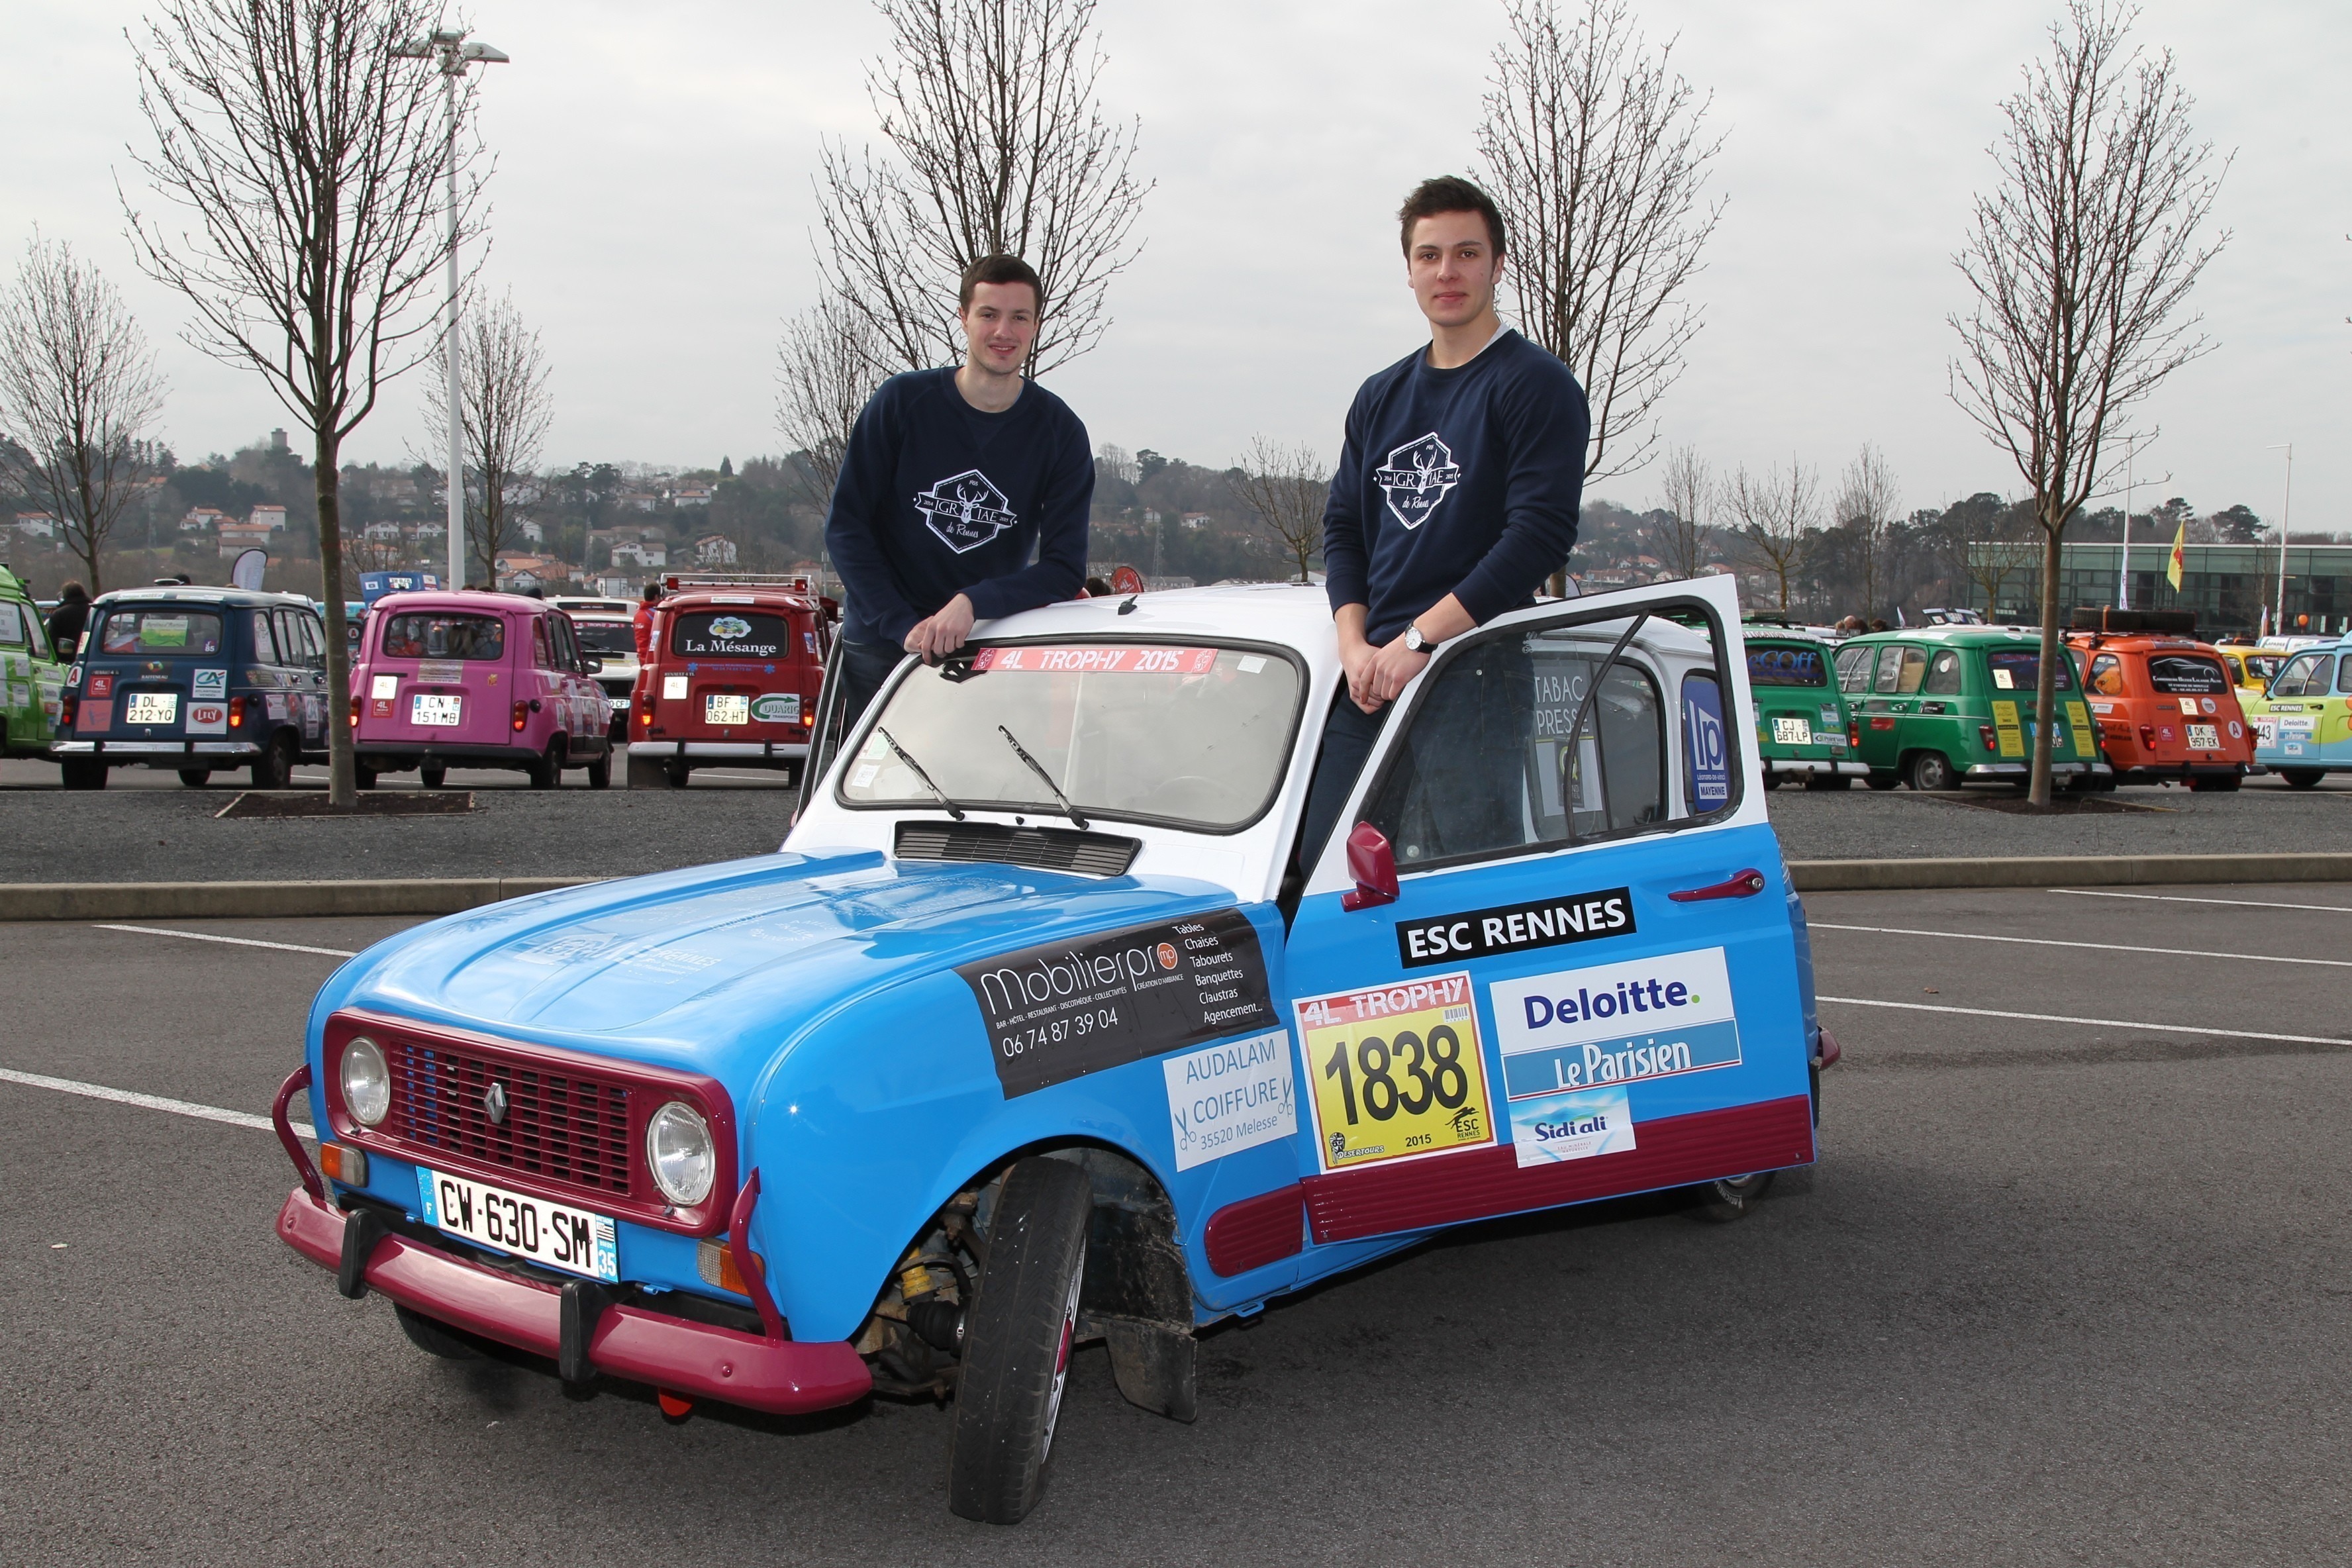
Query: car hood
[[709, 968]]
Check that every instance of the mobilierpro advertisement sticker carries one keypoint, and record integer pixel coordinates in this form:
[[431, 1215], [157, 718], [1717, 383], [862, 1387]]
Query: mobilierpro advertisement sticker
[[1395, 1071], [1567, 1034]]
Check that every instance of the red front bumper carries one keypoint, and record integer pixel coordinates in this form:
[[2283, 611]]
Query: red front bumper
[[699, 1360]]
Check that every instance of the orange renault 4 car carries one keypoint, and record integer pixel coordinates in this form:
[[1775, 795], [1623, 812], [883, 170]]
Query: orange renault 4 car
[[2165, 704], [730, 678]]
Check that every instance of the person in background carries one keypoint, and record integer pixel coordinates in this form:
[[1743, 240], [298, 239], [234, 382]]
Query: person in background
[[643, 625], [1098, 589], [951, 479], [67, 620]]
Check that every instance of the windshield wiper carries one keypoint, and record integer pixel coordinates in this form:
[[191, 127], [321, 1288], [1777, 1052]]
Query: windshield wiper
[[1043, 776], [917, 768]]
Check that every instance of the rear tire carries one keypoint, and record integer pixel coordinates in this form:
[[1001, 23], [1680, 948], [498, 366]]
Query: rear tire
[[83, 772], [363, 775], [2213, 784], [434, 1337], [546, 772], [1016, 1359], [2302, 778], [274, 769], [432, 775], [646, 773], [1735, 1197], [600, 773], [1882, 781], [1933, 771], [195, 778], [676, 773]]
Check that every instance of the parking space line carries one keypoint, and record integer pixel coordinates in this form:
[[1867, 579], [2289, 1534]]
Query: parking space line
[[2095, 946], [150, 1101], [2180, 898], [2096, 1023], [232, 941]]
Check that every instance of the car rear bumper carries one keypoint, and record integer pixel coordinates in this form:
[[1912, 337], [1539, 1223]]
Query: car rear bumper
[[732, 750], [1798, 767], [145, 749], [398, 754], [2019, 770]]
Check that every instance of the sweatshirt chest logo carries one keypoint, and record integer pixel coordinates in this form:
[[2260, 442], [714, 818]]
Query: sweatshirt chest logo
[[1417, 477], [967, 510]]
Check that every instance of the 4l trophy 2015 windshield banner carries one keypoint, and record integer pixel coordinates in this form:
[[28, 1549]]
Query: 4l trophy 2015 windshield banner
[[1065, 1009]]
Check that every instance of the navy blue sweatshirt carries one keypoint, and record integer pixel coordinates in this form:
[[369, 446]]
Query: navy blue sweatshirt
[[1463, 481], [937, 499]]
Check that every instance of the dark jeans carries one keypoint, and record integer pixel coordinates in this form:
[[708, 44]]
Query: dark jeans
[[865, 666], [1349, 735]]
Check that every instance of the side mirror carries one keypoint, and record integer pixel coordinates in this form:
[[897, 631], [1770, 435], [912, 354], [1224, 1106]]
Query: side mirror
[[1372, 864], [591, 664]]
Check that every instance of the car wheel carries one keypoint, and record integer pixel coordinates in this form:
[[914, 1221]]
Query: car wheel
[[2210, 784], [600, 773], [2302, 778], [1934, 771], [1732, 1198], [646, 772], [83, 772], [274, 769], [1881, 781], [432, 775], [677, 773], [363, 775], [195, 778], [434, 1337], [1016, 1360], [546, 772]]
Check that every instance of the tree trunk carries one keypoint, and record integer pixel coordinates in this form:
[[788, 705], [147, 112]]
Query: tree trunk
[[342, 790], [2045, 686]]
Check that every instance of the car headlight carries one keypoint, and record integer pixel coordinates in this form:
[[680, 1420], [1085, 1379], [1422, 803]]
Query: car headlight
[[367, 1083], [678, 1148]]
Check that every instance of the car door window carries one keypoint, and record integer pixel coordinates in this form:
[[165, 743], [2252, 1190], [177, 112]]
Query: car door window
[[265, 641], [1854, 670], [11, 628], [1901, 668], [1943, 674], [2344, 675], [2292, 680], [1488, 764], [314, 640], [2107, 677]]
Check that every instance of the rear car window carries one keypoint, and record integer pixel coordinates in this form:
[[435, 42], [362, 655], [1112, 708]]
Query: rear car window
[[730, 633], [607, 637], [2020, 669], [1781, 664], [440, 634], [2186, 674], [160, 633]]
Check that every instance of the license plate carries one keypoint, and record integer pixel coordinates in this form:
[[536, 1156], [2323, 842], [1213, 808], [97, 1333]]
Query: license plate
[[436, 707], [1792, 733], [152, 707], [726, 708], [2204, 737], [574, 1241]]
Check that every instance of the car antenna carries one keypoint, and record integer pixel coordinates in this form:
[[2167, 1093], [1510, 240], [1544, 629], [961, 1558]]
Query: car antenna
[[891, 742], [1128, 606], [1043, 776]]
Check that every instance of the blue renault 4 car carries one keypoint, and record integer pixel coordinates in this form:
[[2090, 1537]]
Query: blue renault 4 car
[[1035, 1032], [200, 680]]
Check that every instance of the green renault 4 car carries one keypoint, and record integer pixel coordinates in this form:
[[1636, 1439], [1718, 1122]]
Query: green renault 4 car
[[1803, 729], [1942, 706], [32, 679]]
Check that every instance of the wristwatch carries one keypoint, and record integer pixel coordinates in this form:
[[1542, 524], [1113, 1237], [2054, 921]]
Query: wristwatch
[[1413, 641]]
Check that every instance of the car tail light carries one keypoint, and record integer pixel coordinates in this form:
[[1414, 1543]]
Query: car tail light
[[237, 713], [1984, 733], [2147, 737], [645, 705], [521, 717], [67, 706], [1854, 733]]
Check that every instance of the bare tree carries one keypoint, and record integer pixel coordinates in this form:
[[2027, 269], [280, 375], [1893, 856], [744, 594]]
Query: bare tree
[[827, 366], [505, 409], [1597, 156], [1285, 489], [1867, 502], [306, 161], [77, 387], [2004, 554], [1775, 514], [996, 145], [1688, 492], [2080, 261]]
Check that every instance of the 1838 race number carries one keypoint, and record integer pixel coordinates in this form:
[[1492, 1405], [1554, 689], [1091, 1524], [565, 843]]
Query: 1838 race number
[[1396, 1071]]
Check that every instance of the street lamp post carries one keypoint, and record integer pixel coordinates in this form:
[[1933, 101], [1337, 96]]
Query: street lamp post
[[448, 47], [2123, 572], [2287, 509]]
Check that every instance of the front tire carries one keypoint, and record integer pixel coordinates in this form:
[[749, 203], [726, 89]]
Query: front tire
[[2302, 778], [1734, 1197], [195, 778], [432, 775], [1016, 1360], [434, 1337]]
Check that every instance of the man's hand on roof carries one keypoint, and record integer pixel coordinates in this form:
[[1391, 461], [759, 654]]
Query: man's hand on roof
[[942, 634]]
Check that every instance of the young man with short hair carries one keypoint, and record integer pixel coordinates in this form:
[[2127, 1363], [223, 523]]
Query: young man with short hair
[[951, 479], [1455, 497]]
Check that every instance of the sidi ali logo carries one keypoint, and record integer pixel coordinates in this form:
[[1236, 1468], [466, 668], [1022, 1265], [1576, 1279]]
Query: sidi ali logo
[[966, 510], [1418, 476]]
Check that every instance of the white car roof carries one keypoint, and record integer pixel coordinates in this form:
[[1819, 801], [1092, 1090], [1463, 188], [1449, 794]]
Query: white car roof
[[1281, 613]]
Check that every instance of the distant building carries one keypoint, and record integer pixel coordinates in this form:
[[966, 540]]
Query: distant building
[[637, 500], [384, 532], [613, 585], [1194, 519], [640, 553], [270, 517], [36, 525], [693, 495], [714, 550], [203, 519], [528, 527], [236, 538]]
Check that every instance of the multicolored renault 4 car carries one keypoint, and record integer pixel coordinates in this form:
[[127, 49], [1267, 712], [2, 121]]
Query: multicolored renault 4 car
[[32, 677], [1942, 706], [1803, 729], [1033, 1033], [201, 680], [2303, 724]]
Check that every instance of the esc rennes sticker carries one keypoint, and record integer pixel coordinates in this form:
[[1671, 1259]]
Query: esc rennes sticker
[[1418, 476], [1395, 1071], [966, 510]]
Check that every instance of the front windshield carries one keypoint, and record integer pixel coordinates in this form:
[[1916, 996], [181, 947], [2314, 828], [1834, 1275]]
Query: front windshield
[[1196, 735]]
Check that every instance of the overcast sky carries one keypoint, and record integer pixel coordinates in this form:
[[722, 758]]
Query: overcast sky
[[653, 208]]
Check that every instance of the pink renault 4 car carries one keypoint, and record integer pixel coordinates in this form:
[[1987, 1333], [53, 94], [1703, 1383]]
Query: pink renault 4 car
[[477, 680]]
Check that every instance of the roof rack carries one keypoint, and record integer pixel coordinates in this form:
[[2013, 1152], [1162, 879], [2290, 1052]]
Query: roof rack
[[2109, 620], [676, 580]]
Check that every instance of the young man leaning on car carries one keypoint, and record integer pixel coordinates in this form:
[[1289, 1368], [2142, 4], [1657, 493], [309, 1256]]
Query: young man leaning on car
[[1455, 497], [950, 478]]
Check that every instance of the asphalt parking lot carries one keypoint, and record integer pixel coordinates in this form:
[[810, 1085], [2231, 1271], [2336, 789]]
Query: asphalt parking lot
[[2069, 1285]]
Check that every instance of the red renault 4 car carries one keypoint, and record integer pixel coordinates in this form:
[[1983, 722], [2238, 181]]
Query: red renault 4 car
[[730, 677], [2164, 702]]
